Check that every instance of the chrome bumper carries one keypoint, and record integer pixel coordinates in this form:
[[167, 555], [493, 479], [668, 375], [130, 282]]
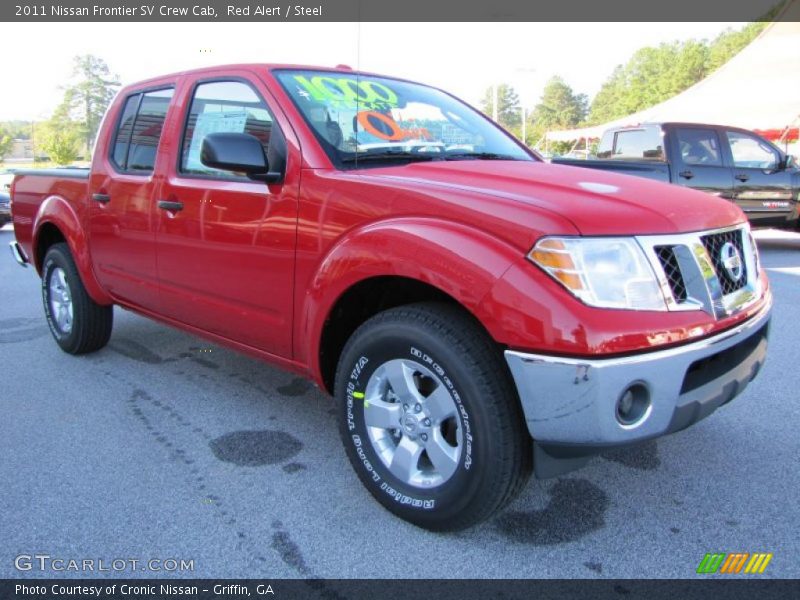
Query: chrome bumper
[[19, 254], [571, 402]]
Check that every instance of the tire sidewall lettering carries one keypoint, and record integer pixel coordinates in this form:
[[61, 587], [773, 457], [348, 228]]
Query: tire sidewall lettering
[[465, 420], [360, 371]]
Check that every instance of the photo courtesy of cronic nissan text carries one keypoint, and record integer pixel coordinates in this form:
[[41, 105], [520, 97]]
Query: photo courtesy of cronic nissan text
[[380, 299]]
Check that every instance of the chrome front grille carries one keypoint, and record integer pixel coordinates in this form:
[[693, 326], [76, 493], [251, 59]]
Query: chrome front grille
[[715, 244], [669, 263], [715, 271]]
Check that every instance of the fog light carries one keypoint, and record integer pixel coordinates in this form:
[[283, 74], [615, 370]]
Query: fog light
[[633, 405]]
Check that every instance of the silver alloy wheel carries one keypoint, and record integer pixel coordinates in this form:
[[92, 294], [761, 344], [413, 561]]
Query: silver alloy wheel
[[413, 423], [60, 300]]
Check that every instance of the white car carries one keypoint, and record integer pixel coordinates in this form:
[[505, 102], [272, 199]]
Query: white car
[[6, 177]]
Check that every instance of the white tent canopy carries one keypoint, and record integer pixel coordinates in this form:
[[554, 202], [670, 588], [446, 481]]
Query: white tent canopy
[[758, 89]]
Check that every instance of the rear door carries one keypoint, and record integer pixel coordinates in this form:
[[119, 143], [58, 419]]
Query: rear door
[[698, 161], [762, 188], [120, 218], [226, 243]]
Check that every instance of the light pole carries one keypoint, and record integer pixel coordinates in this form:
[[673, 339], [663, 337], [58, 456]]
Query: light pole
[[495, 100], [522, 102], [523, 123]]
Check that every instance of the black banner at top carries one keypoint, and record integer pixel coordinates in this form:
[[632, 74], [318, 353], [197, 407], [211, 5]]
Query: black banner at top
[[390, 10]]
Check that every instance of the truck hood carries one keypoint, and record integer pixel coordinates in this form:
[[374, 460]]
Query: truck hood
[[595, 202]]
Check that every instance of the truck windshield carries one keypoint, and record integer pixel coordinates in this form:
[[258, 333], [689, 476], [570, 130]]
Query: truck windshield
[[366, 121]]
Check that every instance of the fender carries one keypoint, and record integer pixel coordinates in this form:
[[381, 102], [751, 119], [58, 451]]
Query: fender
[[461, 261], [57, 211]]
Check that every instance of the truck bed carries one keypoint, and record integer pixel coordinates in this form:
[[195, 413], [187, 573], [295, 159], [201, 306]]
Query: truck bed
[[33, 187], [67, 172], [658, 171]]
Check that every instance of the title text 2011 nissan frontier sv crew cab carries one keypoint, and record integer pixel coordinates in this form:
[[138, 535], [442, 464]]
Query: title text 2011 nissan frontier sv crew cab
[[476, 312]]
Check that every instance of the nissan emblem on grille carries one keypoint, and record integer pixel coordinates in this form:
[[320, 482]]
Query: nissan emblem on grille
[[715, 271], [732, 261]]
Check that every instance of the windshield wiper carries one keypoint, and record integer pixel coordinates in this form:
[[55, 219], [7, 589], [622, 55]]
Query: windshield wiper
[[391, 155], [479, 156]]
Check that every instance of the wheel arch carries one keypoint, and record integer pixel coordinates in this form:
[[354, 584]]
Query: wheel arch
[[390, 264], [55, 222], [383, 293]]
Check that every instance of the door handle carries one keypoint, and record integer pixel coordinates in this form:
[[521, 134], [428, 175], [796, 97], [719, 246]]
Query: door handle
[[170, 205], [101, 198], [686, 174], [742, 177]]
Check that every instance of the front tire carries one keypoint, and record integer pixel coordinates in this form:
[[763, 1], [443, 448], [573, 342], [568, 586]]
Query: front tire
[[430, 418], [78, 324]]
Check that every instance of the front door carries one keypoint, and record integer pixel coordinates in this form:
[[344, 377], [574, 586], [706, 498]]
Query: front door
[[763, 189], [225, 243]]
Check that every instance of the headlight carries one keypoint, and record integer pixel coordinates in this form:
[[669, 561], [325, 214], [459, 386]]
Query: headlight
[[605, 272]]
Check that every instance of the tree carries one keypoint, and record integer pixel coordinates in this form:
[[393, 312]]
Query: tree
[[651, 76], [730, 42], [6, 143], [559, 107], [508, 107], [88, 95], [654, 74], [17, 129], [60, 138]]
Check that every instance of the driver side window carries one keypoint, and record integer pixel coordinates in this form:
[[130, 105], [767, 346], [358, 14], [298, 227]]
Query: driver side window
[[223, 106], [750, 152]]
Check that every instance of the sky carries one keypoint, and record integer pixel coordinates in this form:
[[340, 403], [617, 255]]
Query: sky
[[462, 58]]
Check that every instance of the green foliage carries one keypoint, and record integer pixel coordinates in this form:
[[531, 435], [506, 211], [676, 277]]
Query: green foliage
[[558, 108], [509, 112], [559, 148], [60, 138], [730, 42], [88, 94], [6, 143], [17, 129], [654, 74]]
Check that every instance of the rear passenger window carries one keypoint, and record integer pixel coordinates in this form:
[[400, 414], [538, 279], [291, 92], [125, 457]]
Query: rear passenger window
[[606, 146], [139, 131], [227, 106], [123, 137], [699, 147], [638, 144]]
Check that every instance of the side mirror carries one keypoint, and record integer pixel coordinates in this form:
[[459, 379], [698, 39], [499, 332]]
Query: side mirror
[[787, 162], [240, 152]]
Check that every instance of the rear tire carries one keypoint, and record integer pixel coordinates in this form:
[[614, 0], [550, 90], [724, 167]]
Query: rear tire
[[78, 324], [430, 417]]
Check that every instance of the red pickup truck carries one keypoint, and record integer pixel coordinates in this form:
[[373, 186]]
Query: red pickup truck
[[476, 312]]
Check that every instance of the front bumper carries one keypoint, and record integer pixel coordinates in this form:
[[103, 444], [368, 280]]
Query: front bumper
[[570, 404]]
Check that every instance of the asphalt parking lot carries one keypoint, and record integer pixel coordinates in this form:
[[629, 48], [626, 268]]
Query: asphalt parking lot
[[161, 446]]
